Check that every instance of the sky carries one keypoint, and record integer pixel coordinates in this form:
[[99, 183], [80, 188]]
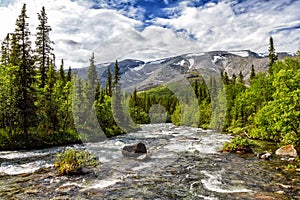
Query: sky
[[154, 29]]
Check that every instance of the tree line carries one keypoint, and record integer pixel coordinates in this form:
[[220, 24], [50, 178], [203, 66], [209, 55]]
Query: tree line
[[41, 105]]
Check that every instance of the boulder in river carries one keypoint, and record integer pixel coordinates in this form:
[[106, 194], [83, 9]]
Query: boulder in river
[[286, 151], [134, 150]]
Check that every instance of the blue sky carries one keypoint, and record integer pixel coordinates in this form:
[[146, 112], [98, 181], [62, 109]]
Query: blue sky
[[148, 29]]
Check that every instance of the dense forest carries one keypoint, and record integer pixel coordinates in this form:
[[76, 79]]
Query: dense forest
[[40, 105], [44, 106]]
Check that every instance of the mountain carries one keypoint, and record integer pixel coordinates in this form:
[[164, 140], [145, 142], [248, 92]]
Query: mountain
[[145, 75]]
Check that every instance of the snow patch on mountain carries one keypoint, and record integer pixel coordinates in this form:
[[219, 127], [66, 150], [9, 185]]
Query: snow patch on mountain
[[157, 62], [192, 62], [138, 68], [180, 63], [195, 55], [243, 54], [216, 58]]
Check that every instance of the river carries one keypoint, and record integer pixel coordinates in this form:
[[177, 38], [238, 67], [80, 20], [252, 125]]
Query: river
[[185, 163]]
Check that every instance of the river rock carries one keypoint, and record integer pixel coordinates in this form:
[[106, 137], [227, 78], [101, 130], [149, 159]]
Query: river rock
[[266, 155], [286, 151], [134, 150]]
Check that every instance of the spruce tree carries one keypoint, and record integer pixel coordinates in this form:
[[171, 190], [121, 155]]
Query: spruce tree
[[26, 74], [62, 76], [92, 74], [108, 86], [233, 78], [69, 74], [116, 79], [43, 46], [252, 74], [91, 83], [225, 79], [241, 78], [272, 55], [5, 47]]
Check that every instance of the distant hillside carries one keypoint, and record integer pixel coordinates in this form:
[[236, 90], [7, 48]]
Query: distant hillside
[[145, 75]]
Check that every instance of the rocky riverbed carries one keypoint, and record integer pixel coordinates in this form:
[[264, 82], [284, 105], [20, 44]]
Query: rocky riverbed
[[184, 163]]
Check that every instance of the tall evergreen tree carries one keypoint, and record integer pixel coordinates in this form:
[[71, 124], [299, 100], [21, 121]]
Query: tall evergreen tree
[[272, 55], [108, 86], [91, 83], [252, 74], [241, 78], [69, 74], [5, 47], [26, 74], [116, 79], [92, 73], [62, 76], [233, 78], [225, 78], [43, 46]]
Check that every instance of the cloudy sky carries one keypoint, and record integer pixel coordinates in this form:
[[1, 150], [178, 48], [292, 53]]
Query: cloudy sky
[[152, 29]]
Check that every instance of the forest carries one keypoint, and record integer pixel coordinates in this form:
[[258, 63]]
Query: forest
[[41, 105]]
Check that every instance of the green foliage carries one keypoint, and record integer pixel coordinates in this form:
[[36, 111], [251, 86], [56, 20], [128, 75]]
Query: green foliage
[[238, 143], [72, 161], [278, 120]]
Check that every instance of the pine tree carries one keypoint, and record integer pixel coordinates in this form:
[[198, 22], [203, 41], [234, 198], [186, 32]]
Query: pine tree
[[92, 74], [26, 74], [233, 78], [116, 79], [91, 83], [62, 76], [98, 91], [241, 78], [69, 74], [225, 79], [272, 55], [117, 98], [43, 46], [108, 86], [5, 47], [252, 74]]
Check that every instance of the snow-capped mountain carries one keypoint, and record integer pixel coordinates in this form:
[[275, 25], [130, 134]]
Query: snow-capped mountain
[[145, 75]]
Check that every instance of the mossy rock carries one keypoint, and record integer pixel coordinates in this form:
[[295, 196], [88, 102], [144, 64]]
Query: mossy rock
[[74, 162]]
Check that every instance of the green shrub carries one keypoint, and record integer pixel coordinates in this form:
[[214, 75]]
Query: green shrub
[[72, 161], [239, 144]]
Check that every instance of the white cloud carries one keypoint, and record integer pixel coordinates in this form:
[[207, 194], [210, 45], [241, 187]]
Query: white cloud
[[78, 29], [225, 26]]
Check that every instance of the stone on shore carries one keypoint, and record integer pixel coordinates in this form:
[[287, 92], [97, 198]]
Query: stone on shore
[[287, 151]]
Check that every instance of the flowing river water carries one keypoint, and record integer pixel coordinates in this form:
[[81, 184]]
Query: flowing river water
[[185, 163]]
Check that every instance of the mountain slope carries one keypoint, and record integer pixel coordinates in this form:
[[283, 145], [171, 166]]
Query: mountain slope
[[145, 75]]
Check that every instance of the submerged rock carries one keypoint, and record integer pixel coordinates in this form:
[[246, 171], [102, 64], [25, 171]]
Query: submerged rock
[[134, 150], [287, 151]]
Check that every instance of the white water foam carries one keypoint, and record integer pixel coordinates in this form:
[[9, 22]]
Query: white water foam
[[103, 183], [15, 169], [142, 166], [213, 183]]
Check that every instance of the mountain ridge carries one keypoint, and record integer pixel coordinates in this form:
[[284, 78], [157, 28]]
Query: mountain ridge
[[145, 75]]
